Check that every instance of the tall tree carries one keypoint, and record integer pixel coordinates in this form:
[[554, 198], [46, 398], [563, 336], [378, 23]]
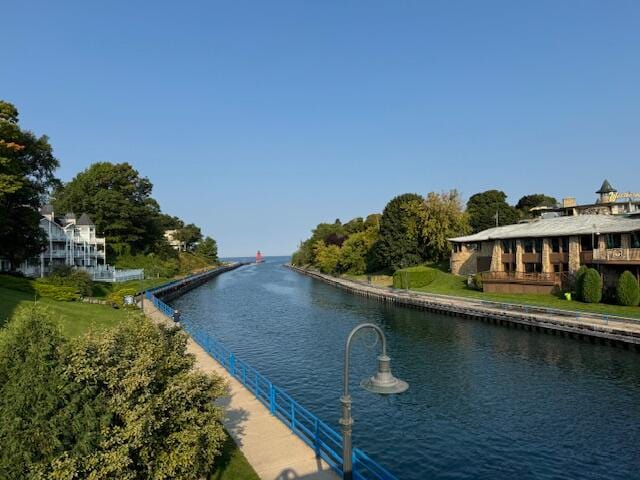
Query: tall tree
[[489, 209], [443, 218], [208, 248], [400, 239], [189, 234], [119, 201], [526, 203], [27, 168]]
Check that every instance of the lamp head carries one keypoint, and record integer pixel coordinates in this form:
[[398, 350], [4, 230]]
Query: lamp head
[[383, 381]]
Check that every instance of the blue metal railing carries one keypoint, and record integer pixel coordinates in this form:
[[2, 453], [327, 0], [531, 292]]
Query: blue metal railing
[[325, 441]]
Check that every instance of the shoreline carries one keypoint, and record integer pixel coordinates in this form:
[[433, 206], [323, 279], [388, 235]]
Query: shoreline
[[620, 332]]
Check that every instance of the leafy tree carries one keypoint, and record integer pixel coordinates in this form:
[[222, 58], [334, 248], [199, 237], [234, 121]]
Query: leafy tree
[[591, 287], [627, 290], [119, 201], [443, 218], [190, 235], [26, 175], [304, 255], [124, 404], [354, 226], [42, 414], [208, 248], [483, 208], [169, 222], [526, 203], [354, 251], [327, 257], [400, 240], [373, 221]]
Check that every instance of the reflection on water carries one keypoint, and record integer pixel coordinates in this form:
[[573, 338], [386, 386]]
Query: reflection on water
[[485, 401]]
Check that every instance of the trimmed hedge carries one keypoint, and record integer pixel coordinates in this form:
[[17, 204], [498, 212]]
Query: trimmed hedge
[[591, 287], [580, 281], [57, 292], [41, 287], [414, 277], [627, 290]]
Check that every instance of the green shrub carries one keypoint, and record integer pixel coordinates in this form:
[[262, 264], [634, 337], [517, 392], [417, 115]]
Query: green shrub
[[57, 292], [117, 297], [414, 277], [68, 277], [579, 280], [101, 406], [591, 287], [477, 281], [627, 290]]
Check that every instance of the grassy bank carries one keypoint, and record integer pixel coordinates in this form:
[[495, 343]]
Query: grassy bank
[[447, 284], [74, 318]]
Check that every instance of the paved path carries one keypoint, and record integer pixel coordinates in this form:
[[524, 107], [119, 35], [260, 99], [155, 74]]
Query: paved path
[[271, 448], [624, 330]]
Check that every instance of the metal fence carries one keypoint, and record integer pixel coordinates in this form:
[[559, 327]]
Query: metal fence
[[325, 441]]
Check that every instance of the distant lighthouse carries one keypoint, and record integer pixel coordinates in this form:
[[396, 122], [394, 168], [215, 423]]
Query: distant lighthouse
[[259, 258]]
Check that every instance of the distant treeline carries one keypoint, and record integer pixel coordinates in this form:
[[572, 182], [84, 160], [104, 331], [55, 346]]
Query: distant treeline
[[412, 230]]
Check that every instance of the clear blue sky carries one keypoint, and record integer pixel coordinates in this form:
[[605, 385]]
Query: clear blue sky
[[257, 120]]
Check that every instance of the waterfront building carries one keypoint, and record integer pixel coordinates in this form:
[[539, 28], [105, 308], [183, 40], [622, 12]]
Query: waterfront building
[[543, 254], [171, 237], [72, 242]]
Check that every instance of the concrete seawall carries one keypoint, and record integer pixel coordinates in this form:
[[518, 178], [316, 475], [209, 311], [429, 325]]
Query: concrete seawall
[[597, 328], [182, 286]]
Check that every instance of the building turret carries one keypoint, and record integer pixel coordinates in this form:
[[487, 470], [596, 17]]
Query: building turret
[[605, 192]]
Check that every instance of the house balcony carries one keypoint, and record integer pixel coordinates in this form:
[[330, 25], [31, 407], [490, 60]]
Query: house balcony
[[520, 282], [614, 256]]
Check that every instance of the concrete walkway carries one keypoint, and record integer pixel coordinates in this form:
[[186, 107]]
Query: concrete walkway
[[271, 448]]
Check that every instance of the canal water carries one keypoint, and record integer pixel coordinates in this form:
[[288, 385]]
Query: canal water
[[485, 401]]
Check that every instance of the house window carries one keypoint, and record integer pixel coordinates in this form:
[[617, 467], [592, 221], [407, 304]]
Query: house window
[[532, 267], [555, 245], [614, 240], [586, 243], [538, 245], [557, 267], [635, 240], [528, 245], [564, 243]]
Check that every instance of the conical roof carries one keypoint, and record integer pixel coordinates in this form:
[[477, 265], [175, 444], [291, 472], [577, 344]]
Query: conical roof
[[84, 220], [606, 188]]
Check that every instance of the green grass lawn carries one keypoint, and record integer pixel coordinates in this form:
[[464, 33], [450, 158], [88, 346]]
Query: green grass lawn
[[232, 464], [103, 289], [74, 318], [448, 284]]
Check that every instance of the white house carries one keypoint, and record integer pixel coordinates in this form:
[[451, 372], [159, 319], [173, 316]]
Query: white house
[[72, 242]]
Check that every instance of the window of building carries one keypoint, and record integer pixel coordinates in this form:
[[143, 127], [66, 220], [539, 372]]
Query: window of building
[[528, 245], [538, 245], [555, 245], [508, 246], [557, 267], [564, 243], [586, 244], [532, 267], [614, 240], [635, 240]]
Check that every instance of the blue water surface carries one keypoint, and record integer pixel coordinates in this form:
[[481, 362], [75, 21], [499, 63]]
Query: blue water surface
[[485, 401]]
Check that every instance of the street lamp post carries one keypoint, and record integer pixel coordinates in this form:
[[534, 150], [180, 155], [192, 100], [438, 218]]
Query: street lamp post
[[382, 382]]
